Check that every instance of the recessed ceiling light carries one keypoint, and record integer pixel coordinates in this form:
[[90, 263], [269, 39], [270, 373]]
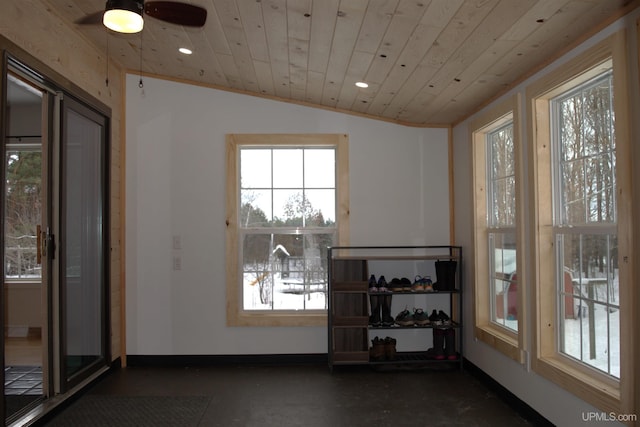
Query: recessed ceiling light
[[185, 51], [362, 84]]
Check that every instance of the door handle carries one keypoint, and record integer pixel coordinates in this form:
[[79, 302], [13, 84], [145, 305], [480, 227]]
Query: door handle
[[39, 245], [46, 244]]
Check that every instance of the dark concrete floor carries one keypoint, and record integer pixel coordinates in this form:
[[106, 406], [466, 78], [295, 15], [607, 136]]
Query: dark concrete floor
[[311, 395]]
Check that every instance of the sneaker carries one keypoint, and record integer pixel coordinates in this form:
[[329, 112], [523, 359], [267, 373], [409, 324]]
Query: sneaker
[[406, 284], [420, 318], [405, 318], [373, 285], [444, 319], [417, 286], [382, 285], [427, 284], [396, 285], [434, 318]]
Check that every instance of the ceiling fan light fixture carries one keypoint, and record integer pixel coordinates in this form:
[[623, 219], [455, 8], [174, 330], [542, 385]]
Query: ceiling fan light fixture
[[124, 16]]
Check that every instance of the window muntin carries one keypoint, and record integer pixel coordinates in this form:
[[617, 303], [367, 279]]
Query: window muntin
[[586, 151], [501, 221], [287, 220], [502, 177], [498, 229], [587, 284], [288, 187]]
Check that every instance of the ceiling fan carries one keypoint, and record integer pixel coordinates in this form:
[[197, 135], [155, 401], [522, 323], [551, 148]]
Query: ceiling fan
[[126, 16]]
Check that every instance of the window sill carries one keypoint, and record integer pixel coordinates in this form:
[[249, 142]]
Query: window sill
[[593, 387], [501, 341], [276, 319]]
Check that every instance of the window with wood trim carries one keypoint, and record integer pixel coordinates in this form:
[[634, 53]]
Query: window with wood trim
[[499, 276], [286, 205], [578, 134]]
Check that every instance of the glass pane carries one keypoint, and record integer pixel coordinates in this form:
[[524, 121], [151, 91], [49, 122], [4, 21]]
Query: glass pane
[[285, 271], [573, 191], [502, 153], [594, 337], [24, 197], [598, 120], [257, 279], [289, 207], [503, 202], [255, 208], [587, 158], [589, 291], [570, 128], [322, 208], [22, 212], [255, 168], [287, 168], [319, 168], [504, 284], [82, 243], [501, 167], [600, 189]]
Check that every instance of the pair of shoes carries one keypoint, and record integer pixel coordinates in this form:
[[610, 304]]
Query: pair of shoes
[[380, 309], [439, 318], [422, 284], [377, 286], [382, 349], [445, 275], [400, 285], [395, 285], [382, 285], [405, 318], [406, 284], [444, 344], [420, 318]]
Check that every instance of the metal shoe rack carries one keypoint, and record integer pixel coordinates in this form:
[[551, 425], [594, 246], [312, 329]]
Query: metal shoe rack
[[350, 334]]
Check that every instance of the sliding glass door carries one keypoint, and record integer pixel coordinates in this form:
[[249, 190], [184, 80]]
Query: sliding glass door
[[54, 307], [83, 243], [25, 273]]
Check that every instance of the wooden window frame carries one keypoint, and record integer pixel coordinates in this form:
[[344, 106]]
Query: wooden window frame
[[236, 315], [508, 342], [595, 387]]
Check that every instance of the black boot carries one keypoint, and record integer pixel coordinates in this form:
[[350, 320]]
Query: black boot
[[445, 275], [450, 344], [438, 344], [387, 318], [375, 302]]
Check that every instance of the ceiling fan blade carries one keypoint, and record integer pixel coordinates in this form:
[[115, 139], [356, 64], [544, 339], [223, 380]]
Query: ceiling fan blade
[[91, 19], [176, 13]]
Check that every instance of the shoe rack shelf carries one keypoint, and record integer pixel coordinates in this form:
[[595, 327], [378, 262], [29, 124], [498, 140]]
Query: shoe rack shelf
[[356, 336]]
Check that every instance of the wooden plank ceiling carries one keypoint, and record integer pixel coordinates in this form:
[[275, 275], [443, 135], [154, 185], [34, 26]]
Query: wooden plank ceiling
[[427, 62]]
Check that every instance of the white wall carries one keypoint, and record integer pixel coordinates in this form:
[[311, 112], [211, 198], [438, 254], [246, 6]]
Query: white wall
[[175, 185], [554, 403]]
